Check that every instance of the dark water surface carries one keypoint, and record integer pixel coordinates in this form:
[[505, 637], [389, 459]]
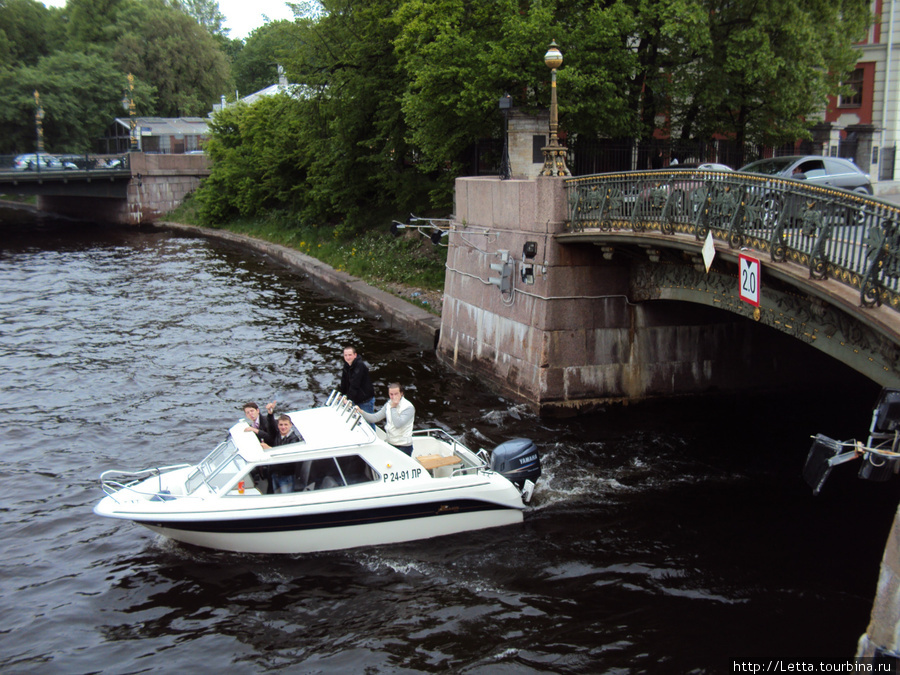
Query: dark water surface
[[671, 537]]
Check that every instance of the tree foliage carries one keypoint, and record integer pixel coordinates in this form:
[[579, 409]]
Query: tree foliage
[[78, 58], [28, 31], [80, 94], [257, 159], [205, 12], [170, 49], [392, 92]]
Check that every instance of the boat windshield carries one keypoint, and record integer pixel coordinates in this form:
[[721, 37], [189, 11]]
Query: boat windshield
[[217, 468]]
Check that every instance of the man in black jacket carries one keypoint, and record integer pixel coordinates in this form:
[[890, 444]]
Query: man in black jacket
[[262, 425], [282, 476], [355, 382]]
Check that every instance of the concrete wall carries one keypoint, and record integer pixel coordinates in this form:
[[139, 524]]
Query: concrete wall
[[522, 132]]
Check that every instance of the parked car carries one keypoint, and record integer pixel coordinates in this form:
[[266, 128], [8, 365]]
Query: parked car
[[29, 162], [832, 171], [703, 166], [682, 186]]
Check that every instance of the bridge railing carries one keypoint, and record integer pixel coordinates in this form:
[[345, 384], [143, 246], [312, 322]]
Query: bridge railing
[[30, 164], [848, 236]]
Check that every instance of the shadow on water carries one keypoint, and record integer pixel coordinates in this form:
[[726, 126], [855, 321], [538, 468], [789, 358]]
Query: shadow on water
[[671, 536]]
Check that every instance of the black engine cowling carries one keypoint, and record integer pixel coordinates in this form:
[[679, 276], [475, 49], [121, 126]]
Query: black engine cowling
[[518, 460]]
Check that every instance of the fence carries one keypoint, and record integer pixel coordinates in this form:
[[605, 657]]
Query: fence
[[846, 236]]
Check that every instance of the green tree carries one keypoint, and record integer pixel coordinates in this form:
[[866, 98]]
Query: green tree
[[763, 71], [360, 165], [92, 22], [167, 48], [80, 95], [255, 66], [257, 160], [28, 31], [205, 12]]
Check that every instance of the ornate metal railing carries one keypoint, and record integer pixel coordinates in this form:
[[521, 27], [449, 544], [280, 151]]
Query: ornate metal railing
[[851, 237]]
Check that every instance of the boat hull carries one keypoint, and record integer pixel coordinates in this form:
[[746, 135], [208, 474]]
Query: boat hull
[[336, 531]]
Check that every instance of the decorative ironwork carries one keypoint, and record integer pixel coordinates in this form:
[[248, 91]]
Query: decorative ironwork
[[884, 262], [849, 237]]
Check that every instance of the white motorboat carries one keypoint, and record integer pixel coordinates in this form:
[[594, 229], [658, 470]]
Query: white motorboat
[[350, 488]]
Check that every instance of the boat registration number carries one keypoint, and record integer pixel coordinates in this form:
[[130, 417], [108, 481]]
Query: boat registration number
[[406, 474]]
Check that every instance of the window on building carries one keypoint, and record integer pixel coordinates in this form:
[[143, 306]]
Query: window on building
[[853, 98]]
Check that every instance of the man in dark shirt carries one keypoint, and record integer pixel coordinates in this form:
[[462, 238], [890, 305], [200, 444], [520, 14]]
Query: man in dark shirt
[[355, 382], [262, 425], [283, 478]]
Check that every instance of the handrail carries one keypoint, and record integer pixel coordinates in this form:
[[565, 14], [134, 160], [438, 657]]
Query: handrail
[[850, 237], [454, 442], [111, 485]]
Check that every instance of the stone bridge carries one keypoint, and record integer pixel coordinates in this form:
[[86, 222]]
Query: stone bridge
[[569, 293], [139, 188]]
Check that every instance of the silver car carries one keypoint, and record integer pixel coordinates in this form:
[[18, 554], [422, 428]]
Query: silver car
[[47, 163], [831, 171]]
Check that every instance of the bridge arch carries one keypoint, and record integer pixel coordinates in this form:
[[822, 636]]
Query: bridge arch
[[825, 315], [567, 293]]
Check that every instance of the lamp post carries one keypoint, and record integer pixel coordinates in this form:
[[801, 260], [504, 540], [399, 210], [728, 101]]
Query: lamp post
[[554, 154], [39, 125], [505, 105], [128, 105]]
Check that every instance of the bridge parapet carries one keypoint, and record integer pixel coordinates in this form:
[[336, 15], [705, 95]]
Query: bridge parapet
[[850, 237]]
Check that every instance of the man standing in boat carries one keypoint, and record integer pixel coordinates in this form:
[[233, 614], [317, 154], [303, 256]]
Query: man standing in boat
[[398, 415], [355, 382]]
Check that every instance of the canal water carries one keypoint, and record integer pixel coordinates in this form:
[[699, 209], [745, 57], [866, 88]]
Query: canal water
[[670, 537]]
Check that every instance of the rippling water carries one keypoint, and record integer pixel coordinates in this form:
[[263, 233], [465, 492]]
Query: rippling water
[[668, 537]]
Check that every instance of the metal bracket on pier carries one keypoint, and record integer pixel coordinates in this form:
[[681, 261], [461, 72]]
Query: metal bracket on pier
[[433, 228]]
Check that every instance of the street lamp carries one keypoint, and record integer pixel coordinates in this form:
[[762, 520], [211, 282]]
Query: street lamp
[[554, 154], [128, 106], [39, 124], [505, 105]]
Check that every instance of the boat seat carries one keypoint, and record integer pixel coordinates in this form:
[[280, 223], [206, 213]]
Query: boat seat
[[434, 461], [327, 482]]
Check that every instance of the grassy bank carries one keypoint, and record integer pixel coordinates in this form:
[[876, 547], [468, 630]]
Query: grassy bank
[[409, 266]]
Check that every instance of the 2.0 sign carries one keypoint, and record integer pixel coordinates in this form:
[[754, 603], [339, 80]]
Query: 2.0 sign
[[748, 279]]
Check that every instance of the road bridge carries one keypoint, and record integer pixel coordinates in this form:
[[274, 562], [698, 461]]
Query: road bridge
[[568, 293], [129, 189]]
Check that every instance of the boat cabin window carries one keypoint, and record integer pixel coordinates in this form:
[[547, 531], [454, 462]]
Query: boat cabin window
[[356, 470], [312, 474], [217, 468]]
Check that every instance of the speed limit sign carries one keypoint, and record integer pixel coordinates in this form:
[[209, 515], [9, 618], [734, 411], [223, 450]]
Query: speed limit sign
[[748, 279]]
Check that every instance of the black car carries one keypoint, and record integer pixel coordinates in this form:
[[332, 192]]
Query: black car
[[831, 171]]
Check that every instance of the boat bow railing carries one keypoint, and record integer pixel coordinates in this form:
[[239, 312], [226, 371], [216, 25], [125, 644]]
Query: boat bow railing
[[115, 480]]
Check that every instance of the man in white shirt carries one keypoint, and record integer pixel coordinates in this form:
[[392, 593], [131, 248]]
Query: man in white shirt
[[398, 415]]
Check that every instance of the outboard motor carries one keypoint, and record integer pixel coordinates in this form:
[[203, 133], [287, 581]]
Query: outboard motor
[[518, 461]]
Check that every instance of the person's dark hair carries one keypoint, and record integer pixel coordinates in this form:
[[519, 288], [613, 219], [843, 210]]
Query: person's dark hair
[[284, 417], [394, 385], [350, 347], [249, 404]]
